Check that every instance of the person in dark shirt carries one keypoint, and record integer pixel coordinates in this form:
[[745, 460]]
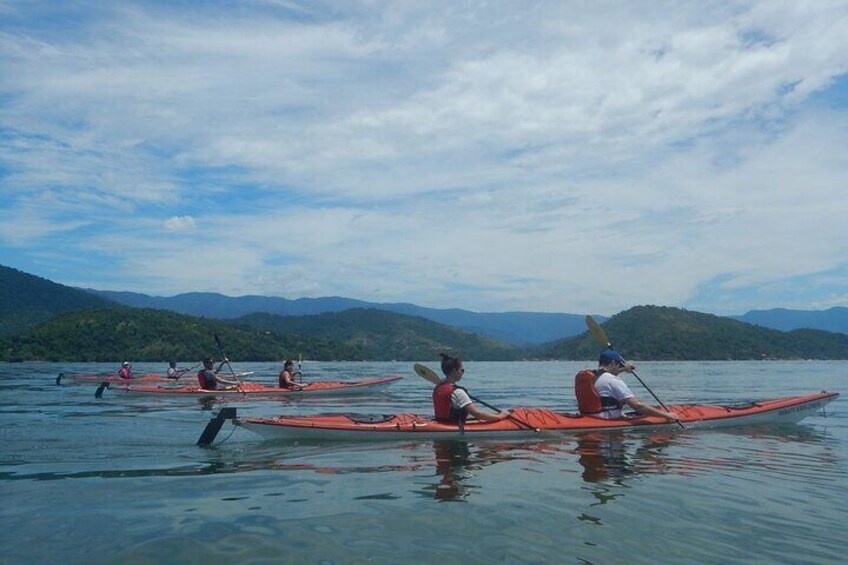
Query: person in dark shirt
[[208, 377]]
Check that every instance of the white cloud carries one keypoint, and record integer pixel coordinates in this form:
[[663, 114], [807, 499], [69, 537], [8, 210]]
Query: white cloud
[[493, 157], [180, 223]]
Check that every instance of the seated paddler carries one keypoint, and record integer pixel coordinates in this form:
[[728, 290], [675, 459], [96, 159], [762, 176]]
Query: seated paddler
[[603, 394], [209, 379], [452, 403]]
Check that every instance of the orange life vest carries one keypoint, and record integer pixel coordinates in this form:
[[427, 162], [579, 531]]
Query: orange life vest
[[588, 399]]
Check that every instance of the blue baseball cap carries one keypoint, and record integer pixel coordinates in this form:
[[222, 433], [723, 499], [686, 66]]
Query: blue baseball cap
[[608, 356]]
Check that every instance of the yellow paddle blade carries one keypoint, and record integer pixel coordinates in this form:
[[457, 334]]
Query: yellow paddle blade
[[426, 373], [597, 331]]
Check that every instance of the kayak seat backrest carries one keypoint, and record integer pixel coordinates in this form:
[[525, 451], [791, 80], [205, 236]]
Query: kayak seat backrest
[[588, 399]]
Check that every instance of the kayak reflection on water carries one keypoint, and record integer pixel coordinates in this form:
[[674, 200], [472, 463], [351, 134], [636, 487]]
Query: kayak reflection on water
[[604, 456], [457, 461], [452, 461]]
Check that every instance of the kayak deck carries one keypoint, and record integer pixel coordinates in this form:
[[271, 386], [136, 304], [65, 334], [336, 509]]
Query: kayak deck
[[146, 378], [529, 422], [112, 378], [258, 389]]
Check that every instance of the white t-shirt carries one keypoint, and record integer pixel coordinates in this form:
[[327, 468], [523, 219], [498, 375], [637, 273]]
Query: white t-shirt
[[612, 387], [460, 399]]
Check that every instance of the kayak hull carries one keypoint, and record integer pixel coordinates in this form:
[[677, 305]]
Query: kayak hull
[[320, 388], [146, 379], [529, 422]]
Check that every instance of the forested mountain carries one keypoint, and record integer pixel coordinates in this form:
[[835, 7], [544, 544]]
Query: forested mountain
[[27, 300], [138, 334], [517, 328], [385, 336], [664, 333], [143, 334], [75, 326]]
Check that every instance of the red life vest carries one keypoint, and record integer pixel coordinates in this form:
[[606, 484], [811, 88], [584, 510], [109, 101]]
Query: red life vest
[[281, 382], [206, 379], [588, 399], [442, 406]]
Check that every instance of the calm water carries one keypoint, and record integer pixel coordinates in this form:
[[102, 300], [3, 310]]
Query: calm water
[[120, 480]]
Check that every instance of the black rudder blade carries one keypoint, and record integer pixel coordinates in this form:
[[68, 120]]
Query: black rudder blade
[[214, 426]]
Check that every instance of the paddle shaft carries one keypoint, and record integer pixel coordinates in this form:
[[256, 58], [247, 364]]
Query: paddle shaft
[[511, 417], [600, 336], [664, 407], [226, 360], [299, 372]]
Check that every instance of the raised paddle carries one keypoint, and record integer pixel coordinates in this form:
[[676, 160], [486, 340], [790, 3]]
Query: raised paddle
[[299, 361], [428, 374], [600, 336], [226, 360]]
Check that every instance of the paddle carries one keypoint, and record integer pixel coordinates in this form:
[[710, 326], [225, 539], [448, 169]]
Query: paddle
[[600, 336], [299, 361], [226, 360], [182, 372], [428, 374]]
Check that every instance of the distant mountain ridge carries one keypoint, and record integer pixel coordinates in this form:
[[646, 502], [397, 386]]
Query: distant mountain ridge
[[63, 323], [381, 335], [27, 300], [517, 328], [832, 320]]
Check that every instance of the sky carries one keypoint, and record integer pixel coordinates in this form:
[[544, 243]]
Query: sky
[[563, 156]]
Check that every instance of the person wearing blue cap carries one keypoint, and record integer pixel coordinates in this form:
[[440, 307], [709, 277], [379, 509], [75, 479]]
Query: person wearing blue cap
[[614, 393]]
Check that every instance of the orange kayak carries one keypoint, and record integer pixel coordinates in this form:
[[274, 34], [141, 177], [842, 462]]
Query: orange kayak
[[319, 388], [146, 378], [112, 378], [527, 422]]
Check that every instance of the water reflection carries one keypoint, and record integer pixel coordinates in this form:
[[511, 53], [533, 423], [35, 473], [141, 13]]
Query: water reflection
[[608, 456], [458, 462], [452, 462]]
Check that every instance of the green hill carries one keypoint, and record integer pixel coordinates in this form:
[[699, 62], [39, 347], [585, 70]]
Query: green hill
[[42, 320], [664, 333], [27, 300], [135, 334], [385, 336]]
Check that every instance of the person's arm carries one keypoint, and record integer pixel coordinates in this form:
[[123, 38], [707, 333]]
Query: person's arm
[[221, 379], [643, 408], [224, 381], [485, 415]]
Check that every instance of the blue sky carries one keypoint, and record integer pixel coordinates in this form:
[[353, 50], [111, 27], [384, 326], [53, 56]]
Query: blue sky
[[542, 156]]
